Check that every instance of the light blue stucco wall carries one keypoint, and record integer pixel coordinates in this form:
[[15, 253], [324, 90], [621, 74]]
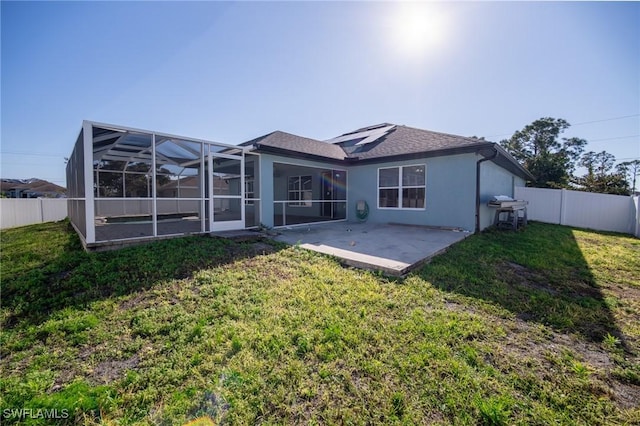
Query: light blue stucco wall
[[450, 193], [450, 190], [494, 180]]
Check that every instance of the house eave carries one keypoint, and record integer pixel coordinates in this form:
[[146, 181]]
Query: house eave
[[424, 154], [503, 160], [258, 148], [506, 161]]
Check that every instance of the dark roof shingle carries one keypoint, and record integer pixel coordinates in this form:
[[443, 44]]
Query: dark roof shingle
[[399, 141], [403, 140], [289, 142]]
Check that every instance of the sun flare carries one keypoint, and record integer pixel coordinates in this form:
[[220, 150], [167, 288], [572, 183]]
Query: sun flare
[[418, 28]]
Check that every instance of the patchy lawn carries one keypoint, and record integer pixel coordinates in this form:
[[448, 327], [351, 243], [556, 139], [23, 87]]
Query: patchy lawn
[[534, 327]]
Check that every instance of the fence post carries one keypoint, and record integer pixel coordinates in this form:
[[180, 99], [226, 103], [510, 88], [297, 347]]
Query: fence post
[[563, 206], [41, 210], [636, 203]]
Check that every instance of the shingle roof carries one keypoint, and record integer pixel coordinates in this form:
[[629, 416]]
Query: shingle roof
[[403, 140], [289, 142], [399, 141]]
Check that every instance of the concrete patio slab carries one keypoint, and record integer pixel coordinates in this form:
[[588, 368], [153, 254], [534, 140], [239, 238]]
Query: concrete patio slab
[[392, 249]]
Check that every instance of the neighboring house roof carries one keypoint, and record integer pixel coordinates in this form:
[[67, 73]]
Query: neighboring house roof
[[33, 187], [384, 142]]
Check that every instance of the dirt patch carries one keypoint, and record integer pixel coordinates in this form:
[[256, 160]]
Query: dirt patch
[[65, 376], [524, 340], [540, 348], [108, 371], [250, 250], [136, 301], [524, 277], [627, 396]]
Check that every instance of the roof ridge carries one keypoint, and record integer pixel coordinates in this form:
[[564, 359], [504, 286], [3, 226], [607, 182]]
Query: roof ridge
[[469, 138], [254, 140], [366, 128], [293, 134]]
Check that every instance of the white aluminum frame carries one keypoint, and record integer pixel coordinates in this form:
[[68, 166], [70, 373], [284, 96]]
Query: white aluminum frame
[[90, 198], [259, 198], [229, 224], [346, 200], [400, 187]]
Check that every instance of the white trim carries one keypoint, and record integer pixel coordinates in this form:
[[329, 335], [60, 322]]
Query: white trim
[[260, 184], [312, 201], [239, 197], [89, 206], [148, 238], [321, 168], [203, 225], [400, 187], [304, 165], [300, 202], [227, 156], [346, 170], [226, 225], [242, 188], [147, 199], [154, 207], [166, 135], [295, 225], [210, 194]]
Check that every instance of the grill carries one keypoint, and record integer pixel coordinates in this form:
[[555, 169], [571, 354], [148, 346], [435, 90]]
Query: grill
[[510, 213]]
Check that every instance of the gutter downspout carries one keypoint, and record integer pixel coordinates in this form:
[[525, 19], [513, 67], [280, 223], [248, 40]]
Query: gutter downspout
[[478, 163]]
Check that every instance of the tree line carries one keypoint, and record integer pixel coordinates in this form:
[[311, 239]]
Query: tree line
[[552, 160]]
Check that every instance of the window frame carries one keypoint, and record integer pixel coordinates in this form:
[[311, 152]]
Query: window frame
[[400, 187], [300, 201], [249, 190]]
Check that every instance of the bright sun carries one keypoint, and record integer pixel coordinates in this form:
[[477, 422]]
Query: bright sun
[[418, 28]]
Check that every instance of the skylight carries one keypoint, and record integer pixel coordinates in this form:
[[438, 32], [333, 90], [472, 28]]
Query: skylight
[[368, 135]]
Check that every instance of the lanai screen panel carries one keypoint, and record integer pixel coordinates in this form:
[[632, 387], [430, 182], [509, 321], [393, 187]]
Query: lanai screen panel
[[305, 194], [179, 185], [123, 185], [146, 184], [128, 184], [251, 191], [75, 187], [227, 190]]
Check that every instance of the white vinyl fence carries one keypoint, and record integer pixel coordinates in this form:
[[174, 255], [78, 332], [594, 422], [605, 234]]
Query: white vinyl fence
[[26, 211], [604, 212]]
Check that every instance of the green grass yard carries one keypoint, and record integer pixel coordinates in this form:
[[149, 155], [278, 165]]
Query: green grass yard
[[535, 327]]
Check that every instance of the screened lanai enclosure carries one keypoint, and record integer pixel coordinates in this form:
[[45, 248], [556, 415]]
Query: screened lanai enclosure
[[304, 194], [127, 184]]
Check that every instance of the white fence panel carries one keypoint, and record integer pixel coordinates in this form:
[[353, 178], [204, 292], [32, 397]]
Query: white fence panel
[[544, 205], [604, 212], [27, 211], [598, 211], [53, 209]]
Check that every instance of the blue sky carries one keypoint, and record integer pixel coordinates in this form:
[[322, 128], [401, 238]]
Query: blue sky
[[230, 72]]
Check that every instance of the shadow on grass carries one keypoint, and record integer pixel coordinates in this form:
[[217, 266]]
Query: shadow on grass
[[539, 274], [63, 275]]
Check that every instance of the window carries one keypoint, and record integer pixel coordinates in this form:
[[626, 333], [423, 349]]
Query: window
[[402, 187], [300, 191], [249, 190]]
